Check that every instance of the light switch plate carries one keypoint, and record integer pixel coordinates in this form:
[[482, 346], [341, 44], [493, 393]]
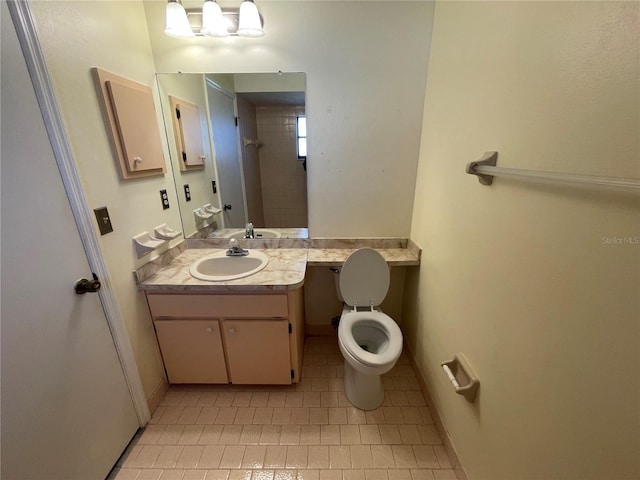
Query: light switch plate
[[104, 222]]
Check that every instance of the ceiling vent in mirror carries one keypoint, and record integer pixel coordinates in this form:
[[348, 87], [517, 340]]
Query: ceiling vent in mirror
[[213, 21]]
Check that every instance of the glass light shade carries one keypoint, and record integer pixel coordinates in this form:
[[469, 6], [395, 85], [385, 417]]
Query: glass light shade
[[213, 23], [177, 22], [249, 24]]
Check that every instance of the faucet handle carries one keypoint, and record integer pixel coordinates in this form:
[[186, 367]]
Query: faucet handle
[[233, 243]]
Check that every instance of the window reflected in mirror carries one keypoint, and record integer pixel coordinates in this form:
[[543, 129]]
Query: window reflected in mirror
[[301, 134]]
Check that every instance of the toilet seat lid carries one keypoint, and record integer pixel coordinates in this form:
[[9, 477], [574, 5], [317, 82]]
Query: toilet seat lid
[[364, 278]]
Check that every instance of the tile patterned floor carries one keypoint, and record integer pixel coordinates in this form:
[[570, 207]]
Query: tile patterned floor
[[307, 431]]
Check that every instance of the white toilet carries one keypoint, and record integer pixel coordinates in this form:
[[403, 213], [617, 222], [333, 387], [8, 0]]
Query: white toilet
[[370, 341]]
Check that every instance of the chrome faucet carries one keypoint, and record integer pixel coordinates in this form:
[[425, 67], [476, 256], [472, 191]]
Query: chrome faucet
[[248, 230], [235, 250]]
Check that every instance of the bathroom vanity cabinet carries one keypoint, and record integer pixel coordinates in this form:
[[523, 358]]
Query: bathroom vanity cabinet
[[241, 338]]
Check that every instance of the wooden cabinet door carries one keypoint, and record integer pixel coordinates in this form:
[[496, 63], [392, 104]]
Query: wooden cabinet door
[[187, 132], [137, 126], [258, 351], [192, 351]]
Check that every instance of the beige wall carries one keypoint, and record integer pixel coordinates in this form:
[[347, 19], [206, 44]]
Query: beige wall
[[526, 279], [74, 36], [365, 65], [270, 82]]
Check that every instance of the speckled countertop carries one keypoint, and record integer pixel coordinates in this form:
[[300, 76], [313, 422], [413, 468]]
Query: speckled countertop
[[285, 271], [335, 257]]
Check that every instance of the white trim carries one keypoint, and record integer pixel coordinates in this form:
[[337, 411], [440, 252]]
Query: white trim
[[27, 35], [214, 85]]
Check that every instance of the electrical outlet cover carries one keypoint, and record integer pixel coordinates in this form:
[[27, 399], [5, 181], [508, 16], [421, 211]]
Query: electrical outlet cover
[[165, 199]]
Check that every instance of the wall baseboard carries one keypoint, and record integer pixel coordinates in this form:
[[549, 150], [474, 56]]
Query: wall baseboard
[[442, 431], [157, 396]]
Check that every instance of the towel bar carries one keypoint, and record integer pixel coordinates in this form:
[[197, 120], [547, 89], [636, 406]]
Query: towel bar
[[485, 169]]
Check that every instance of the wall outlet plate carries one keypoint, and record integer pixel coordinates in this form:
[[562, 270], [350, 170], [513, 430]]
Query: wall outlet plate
[[165, 199], [104, 222], [187, 192]]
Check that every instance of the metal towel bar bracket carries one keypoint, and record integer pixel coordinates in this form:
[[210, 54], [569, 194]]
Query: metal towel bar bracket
[[486, 169], [462, 377], [488, 159]]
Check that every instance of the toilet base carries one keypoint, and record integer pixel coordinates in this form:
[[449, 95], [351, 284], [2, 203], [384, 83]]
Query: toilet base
[[364, 391]]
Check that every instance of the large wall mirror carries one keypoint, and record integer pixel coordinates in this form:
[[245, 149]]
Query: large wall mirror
[[234, 142]]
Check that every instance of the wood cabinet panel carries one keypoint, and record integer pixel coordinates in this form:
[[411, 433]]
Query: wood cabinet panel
[[220, 306], [188, 133], [192, 351], [258, 351], [138, 131], [132, 124], [247, 338]]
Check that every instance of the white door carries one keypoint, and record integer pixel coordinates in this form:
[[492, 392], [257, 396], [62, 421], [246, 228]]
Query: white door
[[225, 142], [67, 412]]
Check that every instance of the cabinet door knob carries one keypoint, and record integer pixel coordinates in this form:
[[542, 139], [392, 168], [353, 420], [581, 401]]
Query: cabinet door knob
[[232, 331], [209, 329]]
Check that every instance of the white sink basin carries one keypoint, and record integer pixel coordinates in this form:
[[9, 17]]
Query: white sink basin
[[257, 233], [220, 267]]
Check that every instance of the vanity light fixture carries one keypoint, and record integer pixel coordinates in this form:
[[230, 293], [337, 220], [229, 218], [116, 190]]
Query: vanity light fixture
[[213, 21], [249, 24], [177, 22]]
